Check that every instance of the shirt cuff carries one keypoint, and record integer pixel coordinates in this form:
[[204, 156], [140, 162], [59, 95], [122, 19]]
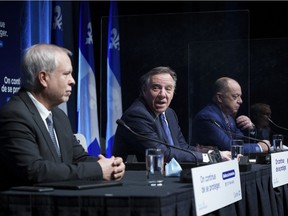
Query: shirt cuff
[[205, 158], [261, 149]]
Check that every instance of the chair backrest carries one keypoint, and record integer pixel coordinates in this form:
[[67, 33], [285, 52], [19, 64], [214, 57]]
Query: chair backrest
[[82, 140]]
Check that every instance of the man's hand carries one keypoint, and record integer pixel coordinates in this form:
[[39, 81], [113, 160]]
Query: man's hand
[[225, 155], [264, 145], [119, 168], [112, 168], [244, 123]]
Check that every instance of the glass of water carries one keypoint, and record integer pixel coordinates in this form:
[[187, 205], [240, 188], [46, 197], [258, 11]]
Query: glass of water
[[236, 148], [154, 167], [277, 142]]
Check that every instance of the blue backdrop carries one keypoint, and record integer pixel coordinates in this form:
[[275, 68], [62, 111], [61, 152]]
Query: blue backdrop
[[10, 51]]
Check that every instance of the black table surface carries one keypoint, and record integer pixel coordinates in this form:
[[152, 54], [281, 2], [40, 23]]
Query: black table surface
[[135, 197]]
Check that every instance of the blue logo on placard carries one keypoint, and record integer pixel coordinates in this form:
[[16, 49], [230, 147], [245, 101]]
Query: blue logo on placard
[[228, 174]]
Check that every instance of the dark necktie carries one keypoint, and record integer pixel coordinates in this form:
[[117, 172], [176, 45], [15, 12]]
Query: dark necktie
[[228, 126], [52, 134], [166, 128]]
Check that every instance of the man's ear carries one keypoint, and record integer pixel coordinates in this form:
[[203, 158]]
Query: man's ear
[[219, 98], [42, 77]]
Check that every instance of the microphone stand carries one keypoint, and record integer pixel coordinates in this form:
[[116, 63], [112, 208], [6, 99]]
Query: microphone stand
[[239, 135], [185, 175], [270, 120], [122, 123], [261, 158]]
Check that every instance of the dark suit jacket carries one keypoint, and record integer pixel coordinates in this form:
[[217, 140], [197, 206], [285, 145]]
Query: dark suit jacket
[[27, 154], [143, 121], [204, 132]]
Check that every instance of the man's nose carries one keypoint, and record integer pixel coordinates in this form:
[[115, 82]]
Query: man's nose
[[240, 100], [162, 92], [72, 81]]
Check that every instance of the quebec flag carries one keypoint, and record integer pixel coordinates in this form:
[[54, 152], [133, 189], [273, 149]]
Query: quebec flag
[[57, 24], [86, 95], [36, 23], [57, 33], [114, 99]]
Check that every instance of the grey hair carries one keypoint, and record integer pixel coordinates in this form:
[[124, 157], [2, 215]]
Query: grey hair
[[144, 79], [37, 58]]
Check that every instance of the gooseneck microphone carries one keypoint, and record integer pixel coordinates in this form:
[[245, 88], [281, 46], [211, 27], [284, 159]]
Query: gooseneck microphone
[[122, 123], [270, 120], [239, 135]]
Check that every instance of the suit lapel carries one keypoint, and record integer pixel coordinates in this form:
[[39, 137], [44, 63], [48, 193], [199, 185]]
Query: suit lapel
[[39, 122], [232, 124], [45, 133], [160, 129], [60, 131]]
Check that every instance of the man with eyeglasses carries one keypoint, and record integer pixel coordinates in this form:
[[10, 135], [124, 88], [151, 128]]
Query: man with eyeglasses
[[150, 116], [217, 123]]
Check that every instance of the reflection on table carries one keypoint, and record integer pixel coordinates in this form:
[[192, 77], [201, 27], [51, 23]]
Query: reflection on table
[[134, 197]]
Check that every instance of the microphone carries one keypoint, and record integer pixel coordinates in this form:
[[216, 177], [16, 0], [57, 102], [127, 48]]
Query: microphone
[[239, 135], [122, 123], [270, 120]]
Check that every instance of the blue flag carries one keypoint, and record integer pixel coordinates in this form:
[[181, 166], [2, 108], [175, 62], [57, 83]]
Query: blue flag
[[57, 34], [57, 23], [36, 26], [114, 99], [86, 95]]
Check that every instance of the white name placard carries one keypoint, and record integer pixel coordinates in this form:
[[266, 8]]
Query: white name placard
[[215, 186], [279, 168]]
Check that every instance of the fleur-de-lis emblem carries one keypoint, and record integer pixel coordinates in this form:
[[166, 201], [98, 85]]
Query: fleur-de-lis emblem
[[89, 39], [114, 40], [57, 18]]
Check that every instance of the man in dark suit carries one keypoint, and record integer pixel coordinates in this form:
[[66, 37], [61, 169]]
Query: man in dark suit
[[259, 113], [216, 124], [28, 154], [144, 117]]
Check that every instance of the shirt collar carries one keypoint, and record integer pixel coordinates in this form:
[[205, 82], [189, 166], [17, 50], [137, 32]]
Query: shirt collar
[[44, 113]]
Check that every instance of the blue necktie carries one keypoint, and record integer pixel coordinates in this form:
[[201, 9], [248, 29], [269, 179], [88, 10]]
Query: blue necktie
[[166, 129], [52, 134], [228, 126]]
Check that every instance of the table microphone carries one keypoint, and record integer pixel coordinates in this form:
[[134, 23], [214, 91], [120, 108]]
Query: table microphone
[[122, 123], [270, 120], [238, 135]]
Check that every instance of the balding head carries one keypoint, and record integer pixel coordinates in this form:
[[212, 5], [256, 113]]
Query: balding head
[[223, 85], [227, 95]]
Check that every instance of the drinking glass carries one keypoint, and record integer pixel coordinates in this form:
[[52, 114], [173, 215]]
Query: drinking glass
[[236, 148], [154, 167], [278, 142]]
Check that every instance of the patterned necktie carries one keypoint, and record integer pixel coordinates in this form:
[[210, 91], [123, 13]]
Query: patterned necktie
[[166, 128], [228, 126], [52, 134]]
